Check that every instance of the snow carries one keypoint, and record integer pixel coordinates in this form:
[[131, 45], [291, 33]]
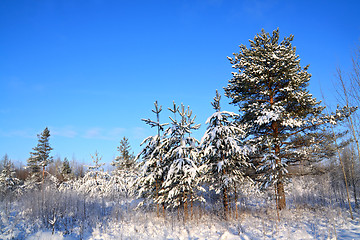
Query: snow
[[310, 214], [47, 235], [268, 116], [301, 224]]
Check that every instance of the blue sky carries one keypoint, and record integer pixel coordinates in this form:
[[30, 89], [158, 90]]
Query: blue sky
[[90, 70]]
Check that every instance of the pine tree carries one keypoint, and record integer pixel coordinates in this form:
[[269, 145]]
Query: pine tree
[[270, 89], [5, 162], [125, 167], [180, 163], [66, 169], [151, 176], [125, 162], [97, 167], [224, 157], [96, 181], [8, 181], [40, 158]]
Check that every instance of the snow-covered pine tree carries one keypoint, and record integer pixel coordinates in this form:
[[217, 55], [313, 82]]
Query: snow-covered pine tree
[[8, 181], [66, 170], [270, 88], [125, 162], [96, 181], [125, 170], [97, 167], [151, 173], [181, 184], [40, 158], [126, 159], [225, 159]]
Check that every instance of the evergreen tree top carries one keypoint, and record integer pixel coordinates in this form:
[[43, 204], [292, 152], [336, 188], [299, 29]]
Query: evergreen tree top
[[41, 155], [270, 84], [66, 169], [216, 103], [156, 123], [185, 124], [126, 160], [96, 160], [269, 68]]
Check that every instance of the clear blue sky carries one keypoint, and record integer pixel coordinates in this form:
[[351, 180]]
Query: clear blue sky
[[90, 70]]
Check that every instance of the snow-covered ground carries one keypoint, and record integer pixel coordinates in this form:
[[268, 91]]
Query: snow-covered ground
[[313, 212], [296, 223]]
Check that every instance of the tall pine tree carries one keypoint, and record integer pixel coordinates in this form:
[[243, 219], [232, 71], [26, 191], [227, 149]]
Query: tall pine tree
[[270, 88], [40, 158]]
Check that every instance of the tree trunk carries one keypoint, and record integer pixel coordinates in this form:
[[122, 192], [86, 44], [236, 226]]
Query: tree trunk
[[354, 186], [185, 207], [280, 195], [84, 208], [354, 182], [163, 209], [178, 213], [281, 204], [277, 204], [346, 186], [236, 206], [225, 195], [157, 195], [43, 174], [225, 203], [191, 206]]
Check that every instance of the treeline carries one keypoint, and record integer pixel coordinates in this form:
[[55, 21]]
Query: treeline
[[58, 167]]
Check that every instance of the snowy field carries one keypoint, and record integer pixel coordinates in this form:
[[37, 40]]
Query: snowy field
[[110, 220], [295, 224], [85, 208]]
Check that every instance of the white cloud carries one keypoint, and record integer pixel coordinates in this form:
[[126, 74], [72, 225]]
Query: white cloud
[[104, 134], [113, 134], [139, 133], [116, 133], [27, 133], [66, 131], [94, 132]]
